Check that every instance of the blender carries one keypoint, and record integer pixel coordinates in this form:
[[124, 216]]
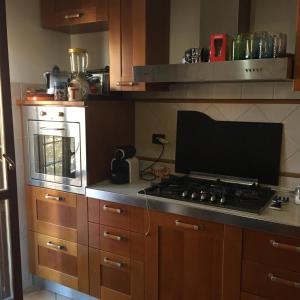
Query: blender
[[79, 87]]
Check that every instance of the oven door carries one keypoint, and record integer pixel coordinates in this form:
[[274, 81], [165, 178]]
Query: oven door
[[55, 152]]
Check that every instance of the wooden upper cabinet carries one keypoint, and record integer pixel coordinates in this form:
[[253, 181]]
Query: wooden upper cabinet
[[76, 16], [192, 259], [138, 35]]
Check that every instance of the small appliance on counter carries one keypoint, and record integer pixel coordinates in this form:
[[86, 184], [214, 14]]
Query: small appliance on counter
[[56, 78], [79, 87], [125, 166], [99, 81]]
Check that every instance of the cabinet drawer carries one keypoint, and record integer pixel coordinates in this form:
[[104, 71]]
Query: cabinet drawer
[[274, 250], [115, 276], [270, 282], [58, 214], [114, 214], [58, 260]]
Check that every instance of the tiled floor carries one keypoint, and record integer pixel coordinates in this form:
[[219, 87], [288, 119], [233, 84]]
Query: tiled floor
[[44, 295]]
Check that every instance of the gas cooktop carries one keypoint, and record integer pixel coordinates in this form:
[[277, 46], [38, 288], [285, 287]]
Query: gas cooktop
[[253, 198]]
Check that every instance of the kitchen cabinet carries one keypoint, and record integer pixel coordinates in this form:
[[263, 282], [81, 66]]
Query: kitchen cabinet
[[60, 261], [138, 35], [116, 250], [58, 236], [271, 266], [77, 16], [189, 258], [58, 214]]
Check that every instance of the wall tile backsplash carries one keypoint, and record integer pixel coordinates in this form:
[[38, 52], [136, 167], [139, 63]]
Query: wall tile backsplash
[[161, 117]]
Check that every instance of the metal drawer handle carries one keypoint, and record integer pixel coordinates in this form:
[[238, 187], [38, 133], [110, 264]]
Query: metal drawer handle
[[73, 16], [56, 198], [189, 226], [284, 246], [126, 83], [114, 237], [289, 283], [56, 129], [113, 210], [59, 247], [113, 263]]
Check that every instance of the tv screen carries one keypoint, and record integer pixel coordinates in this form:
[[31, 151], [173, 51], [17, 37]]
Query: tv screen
[[239, 149]]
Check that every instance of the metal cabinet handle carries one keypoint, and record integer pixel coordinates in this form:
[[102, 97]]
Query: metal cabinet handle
[[286, 282], [284, 246], [113, 210], [56, 129], [113, 263], [114, 237], [10, 162], [56, 198], [73, 16], [188, 226], [126, 83], [56, 246]]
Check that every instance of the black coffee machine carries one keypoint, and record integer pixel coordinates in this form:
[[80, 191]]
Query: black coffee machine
[[125, 166]]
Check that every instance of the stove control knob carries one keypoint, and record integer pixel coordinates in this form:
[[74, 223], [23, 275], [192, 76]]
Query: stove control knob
[[212, 198], [194, 196], [203, 196], [184, 194], [223, 200]]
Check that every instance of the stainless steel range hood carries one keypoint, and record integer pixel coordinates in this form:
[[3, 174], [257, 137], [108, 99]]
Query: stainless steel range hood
[[278, 69]]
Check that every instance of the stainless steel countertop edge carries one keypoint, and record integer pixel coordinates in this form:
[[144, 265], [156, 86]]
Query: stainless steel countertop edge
[[196, 212]]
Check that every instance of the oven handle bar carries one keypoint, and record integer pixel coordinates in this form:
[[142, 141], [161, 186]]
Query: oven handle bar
[[56, 129]]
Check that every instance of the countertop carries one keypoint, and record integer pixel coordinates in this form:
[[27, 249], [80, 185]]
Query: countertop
[[285, 221]]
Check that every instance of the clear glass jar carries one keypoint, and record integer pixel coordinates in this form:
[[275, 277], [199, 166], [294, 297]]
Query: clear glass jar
[[79, 60]]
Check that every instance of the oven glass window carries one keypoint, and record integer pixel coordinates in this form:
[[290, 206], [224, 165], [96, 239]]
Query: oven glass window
[[55, 155]]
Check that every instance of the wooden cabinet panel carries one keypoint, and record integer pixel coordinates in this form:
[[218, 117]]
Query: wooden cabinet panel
[[273, 250], [58, 214], [246, 296], [138, 35], [184, 259], [117, 215], [74, 16], [59, 260], [115, 277], [270, 282]]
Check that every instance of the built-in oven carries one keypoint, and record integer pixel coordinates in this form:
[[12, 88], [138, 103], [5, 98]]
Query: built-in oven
[[56, 147]]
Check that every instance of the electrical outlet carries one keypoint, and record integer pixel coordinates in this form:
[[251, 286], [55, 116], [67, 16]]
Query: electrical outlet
[[155, 136]]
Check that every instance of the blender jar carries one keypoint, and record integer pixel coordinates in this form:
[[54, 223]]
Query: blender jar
[[79, 60]]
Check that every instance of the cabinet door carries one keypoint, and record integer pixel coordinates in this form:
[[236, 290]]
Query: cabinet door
[[64, 14], [115, 277], [58, 260], [58, 214], [185, 260], [127, 42]]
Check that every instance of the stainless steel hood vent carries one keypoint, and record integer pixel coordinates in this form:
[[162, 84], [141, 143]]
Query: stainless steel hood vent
[[277, 69]]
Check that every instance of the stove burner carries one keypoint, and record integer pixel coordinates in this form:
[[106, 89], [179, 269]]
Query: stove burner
[[214, 193]]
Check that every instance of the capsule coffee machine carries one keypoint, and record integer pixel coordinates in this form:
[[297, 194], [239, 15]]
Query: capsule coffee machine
[[125, 166]]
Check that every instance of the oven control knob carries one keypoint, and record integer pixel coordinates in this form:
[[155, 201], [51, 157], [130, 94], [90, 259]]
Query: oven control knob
[[203, 196], [61, 114], [43, 113], [184, 194], [223, 200], [194, 196], [212, 198]]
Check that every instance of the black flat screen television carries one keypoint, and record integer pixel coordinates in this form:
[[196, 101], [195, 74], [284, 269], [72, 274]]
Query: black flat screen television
[[239, 149]]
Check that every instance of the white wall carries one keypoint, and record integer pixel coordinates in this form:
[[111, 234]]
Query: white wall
[[97, 46], [33, 50]]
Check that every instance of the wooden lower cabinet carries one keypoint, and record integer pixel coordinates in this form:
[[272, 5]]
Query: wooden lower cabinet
[[192, 259], [114, 277], [60, 261]]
